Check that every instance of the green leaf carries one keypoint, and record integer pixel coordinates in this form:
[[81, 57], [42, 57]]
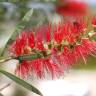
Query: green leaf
[[24, 21], [21, 82], [5, 37], [1, 94]]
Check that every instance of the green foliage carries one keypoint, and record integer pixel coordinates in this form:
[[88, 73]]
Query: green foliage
[[1, 94], [4, 37], [21, 82], [24, 21], [18, 29]]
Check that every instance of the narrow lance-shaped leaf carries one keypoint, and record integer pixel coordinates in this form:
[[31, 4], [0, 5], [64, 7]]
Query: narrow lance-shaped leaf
[[24, 21], [1, 94], [4, 37], [21, 82], [18, 29]]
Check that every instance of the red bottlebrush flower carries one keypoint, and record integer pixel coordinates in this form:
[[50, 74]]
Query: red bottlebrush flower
[[58, 33], [94, 21], [72, 8], [69, 31], [45, 31], [43, 35], [90, 46], [66, 56], [65, 46], [19, 44], [38, 68], [81, 52], [40, 45], [23, 69], [27, 43], [23, 43], [31, 40]]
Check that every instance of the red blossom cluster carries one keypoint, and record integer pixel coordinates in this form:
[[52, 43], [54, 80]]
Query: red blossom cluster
[[71, 8], [61, 45], [94, 21]]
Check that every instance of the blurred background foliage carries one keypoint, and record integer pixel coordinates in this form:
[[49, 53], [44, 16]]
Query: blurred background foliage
[[15, 9]]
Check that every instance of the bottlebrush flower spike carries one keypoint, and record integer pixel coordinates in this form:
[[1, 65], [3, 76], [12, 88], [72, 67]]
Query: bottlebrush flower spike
[[57, 47], [94, 20], [29, 43], [71, 8]]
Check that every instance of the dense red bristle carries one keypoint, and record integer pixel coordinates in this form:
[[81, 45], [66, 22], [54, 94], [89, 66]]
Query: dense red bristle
[[94, 21], [67, 47]]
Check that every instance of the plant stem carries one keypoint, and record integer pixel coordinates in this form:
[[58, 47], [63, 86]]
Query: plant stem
[[27, 57]]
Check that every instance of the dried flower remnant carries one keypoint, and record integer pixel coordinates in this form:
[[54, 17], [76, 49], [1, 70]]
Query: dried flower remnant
[[58, 46]]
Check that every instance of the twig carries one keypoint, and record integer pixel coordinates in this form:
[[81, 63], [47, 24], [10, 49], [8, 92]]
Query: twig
[[27, 57]]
